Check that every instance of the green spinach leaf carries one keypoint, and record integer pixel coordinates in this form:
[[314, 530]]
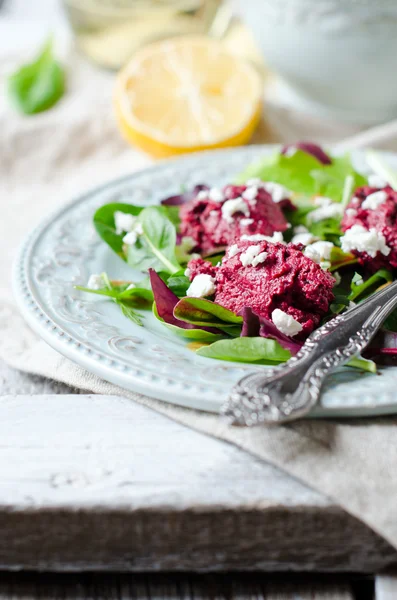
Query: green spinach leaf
[[37, 86], [247, 349], [105, 226], [198, 335], [155, 247], [206, 313]]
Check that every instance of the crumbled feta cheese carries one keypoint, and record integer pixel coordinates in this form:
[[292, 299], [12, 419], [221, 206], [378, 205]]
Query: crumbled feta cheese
[[328, 211], [252, 256], [187, 272], [359, 281], [319, 251], [255, 237], [259, 237], [325, 265], [96, 282], [131, 237], [262, 256], [300, 229], [246, 222], [216, 195], [285, 323], [230, 207], [233, 250], [202, 195], [123, 222], [250, 193], [337, 277], [360, 239], [376, 181], [322, 201], [255, 181], [278, 192], [373, 201], [351, 212], [131, 287], [202, 285], [305, 238], [249, 254]]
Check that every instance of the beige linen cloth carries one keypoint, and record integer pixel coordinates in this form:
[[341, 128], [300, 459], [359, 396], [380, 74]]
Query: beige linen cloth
[[47, 159]]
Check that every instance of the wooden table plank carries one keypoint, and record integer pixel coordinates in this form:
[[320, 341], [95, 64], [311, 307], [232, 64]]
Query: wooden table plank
[[175, 587], [96, 482]]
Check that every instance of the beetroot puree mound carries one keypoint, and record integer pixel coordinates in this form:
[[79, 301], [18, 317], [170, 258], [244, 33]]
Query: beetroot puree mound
[[202, 218], [383, 219], [286, 279]]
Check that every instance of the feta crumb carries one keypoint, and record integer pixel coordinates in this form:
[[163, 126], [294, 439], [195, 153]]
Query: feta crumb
[[246, 221], [360, 239], [359, 281], [337, 278], [248, 256], [355, 200], [278, 192], [262, 256], [376, 181], [233, 250], [285, 323], [202, 285], [325, 265], [319, 251], [300, 229], [351, 212], [230, 207], [259, 237], [131, 287], [250, 193], [202, 195], [255, 181], [123, 222], [305, 238], [373, 201], [187, 272], [216, 195], [131, 237], [322, 201], [328, 211], [96, 282]]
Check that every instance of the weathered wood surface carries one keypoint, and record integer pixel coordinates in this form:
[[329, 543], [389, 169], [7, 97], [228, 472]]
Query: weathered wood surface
[[93, 482], [22, 586]]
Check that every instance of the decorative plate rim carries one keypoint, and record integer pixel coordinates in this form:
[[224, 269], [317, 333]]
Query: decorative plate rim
[[98, 362]]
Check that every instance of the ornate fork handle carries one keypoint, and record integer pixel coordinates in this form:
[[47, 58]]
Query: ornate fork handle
[[292, 390]]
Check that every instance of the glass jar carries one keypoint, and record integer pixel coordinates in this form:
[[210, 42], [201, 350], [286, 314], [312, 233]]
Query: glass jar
[[110, 31]]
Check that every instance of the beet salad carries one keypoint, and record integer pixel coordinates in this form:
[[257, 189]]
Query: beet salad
[[245, 270]]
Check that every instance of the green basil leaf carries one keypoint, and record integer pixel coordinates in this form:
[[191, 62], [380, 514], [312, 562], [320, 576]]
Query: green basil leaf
[[104, 224], [39, 85], [247, 349], [198, 335], [155, 248], [205, 313]]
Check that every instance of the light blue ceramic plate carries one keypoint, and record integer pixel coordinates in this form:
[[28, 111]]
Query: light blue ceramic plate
[[64, 250]]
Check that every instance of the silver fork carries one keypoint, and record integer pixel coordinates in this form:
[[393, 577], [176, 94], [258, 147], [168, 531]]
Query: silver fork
[[290, 391]]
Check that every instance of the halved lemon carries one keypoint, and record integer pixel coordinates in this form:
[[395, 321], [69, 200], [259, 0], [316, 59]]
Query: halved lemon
[[187, 94]]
